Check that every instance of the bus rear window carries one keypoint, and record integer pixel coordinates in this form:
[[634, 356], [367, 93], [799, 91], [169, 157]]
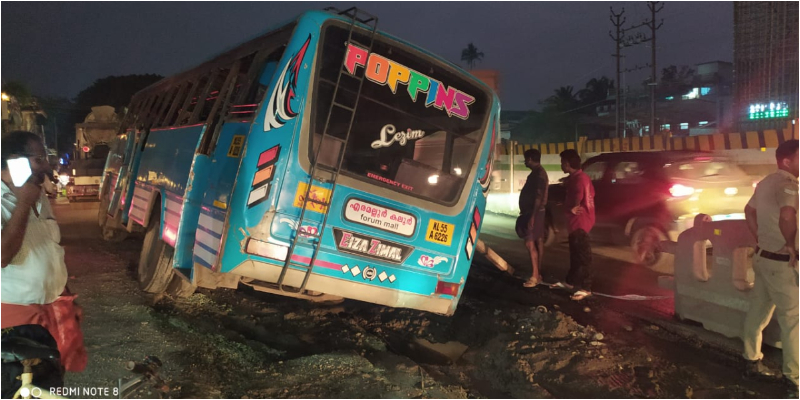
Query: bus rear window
[[418, 124]]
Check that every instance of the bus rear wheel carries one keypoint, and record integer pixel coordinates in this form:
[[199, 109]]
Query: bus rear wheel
[[155, 261], [180, 287]]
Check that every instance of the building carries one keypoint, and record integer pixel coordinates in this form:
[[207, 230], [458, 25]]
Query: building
[[699, 103], [765, 64]]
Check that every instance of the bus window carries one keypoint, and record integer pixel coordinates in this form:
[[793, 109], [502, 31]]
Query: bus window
[[212, 95], [186, 110], [249, 88], [169, 98], [169, 118], [152, 113], [199, 100], [398, 140]]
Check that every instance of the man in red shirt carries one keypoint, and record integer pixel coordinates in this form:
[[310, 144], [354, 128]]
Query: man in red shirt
[[579, 206]]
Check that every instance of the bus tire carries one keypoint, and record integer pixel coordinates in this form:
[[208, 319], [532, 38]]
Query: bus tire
[[114, 235], [180, 287], [155, 261]]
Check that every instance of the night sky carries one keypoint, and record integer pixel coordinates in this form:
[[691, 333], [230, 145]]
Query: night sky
[[61, 48]]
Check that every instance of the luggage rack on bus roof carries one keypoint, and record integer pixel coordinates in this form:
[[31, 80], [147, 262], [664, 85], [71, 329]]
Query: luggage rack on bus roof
[[352, 13]]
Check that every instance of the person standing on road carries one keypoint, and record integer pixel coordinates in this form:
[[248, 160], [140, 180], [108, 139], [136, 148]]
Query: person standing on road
[[579, 207], [771, 216], [34, 275], [532, 202]]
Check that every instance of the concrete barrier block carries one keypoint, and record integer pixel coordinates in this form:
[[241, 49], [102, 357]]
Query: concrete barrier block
[[714, 291]]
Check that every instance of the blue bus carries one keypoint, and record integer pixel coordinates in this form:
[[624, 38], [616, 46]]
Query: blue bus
[[324, 159]]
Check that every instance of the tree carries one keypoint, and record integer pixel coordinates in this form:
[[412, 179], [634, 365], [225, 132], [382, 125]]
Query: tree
[[62, 115], [19, 91], [115, 91], [675, 82], [471, 55], [562, 101], [596, 90]]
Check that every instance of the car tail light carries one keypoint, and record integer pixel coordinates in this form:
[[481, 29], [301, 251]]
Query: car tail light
[[447, 288], [678, 190]]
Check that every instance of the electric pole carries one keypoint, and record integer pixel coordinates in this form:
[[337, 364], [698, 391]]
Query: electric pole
[[621, 41], [618, 38], [654, 7]]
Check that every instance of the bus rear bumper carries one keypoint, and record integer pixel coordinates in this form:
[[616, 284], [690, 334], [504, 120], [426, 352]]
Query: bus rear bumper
[[352, 290]]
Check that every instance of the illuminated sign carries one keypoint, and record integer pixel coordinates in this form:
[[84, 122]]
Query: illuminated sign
[[384, 71], [767, 111]]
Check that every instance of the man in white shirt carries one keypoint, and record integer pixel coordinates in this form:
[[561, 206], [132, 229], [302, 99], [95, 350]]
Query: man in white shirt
[[34, 275], [33, 269]]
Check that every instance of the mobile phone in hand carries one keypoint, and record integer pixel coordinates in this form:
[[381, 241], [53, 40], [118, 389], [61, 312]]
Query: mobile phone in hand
[[20, 170]]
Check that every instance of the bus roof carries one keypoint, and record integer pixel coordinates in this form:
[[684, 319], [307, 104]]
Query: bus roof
[[256, 43]]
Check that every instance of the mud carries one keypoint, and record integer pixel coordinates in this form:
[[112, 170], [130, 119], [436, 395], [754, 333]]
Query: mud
[[503, 342]]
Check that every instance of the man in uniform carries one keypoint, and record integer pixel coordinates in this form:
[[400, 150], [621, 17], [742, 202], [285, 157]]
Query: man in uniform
[[532, 202], [772, 217]]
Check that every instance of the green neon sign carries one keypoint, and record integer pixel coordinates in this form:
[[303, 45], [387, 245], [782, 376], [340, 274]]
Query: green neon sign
[[768, 110]]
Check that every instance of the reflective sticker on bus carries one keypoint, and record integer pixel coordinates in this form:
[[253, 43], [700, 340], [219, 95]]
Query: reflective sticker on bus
[[431, 261], [473, 232], [383, 218], [386, 72], [305, 230], [368, 273], [384, 250], [316, 196], [236, 146], [279, 108], [440, 232], [263, 176]]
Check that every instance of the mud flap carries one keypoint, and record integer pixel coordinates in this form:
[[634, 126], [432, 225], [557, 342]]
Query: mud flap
[[206, 278]]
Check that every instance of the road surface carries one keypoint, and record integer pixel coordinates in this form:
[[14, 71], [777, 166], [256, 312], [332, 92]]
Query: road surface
[[503, 342]]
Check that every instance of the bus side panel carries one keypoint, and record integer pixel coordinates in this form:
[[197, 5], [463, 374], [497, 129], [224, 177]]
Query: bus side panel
[[272, 137], [165, 163], [130, 184], [189, 211], [476, 207], [121, 187], [217, 185], [112, 170]]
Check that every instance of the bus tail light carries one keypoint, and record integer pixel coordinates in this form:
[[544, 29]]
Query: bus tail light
[[447, 288], [266, 250]]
